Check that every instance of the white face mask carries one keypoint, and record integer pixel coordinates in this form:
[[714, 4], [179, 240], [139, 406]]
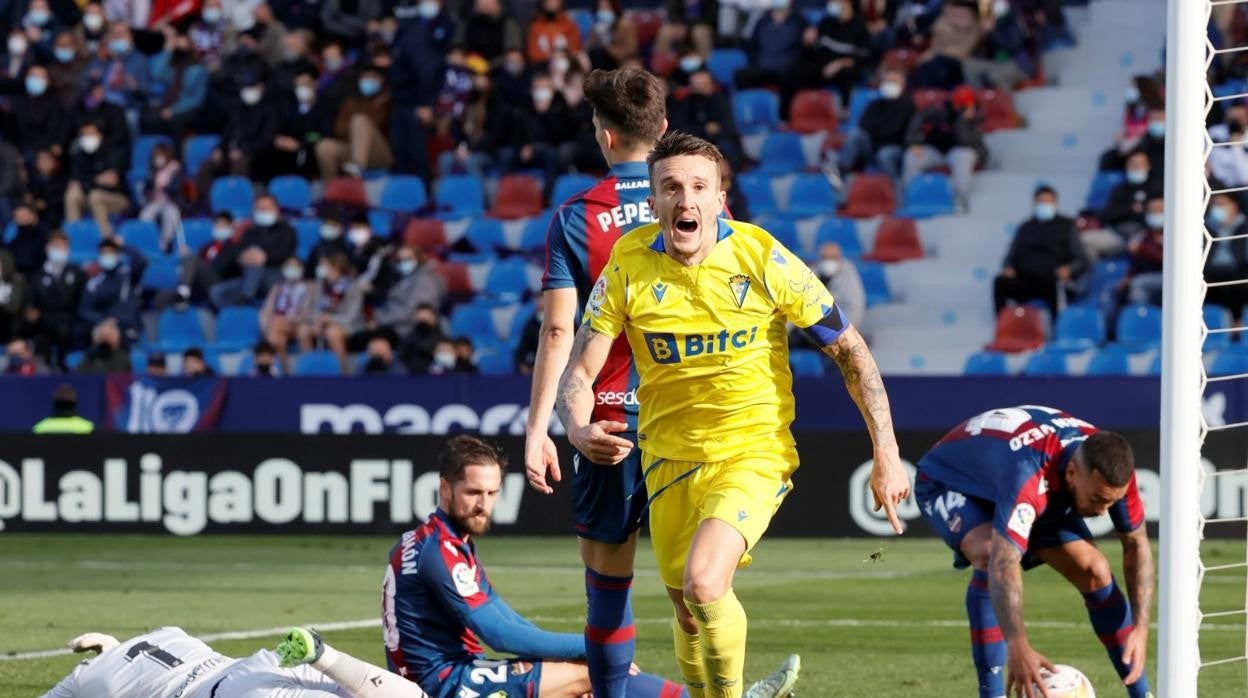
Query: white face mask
[[93, 22], [543, 95], [265, 218], [89, 144], [890, 89], [222, 232], [17, 45], [359, 236], [305, 93], [829, 267], [559, 64], [1001, 8], [445, 359], [250, 95]]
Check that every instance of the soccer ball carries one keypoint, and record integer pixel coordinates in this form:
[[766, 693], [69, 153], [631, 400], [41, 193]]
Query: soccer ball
[[1067, 682]]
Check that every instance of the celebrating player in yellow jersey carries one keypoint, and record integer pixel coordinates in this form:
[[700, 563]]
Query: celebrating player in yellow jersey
[[704, 302]]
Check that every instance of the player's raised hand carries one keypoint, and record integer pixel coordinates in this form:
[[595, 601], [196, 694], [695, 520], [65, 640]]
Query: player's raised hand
[[1025, 672], [93, 642], [598, 442], [540, 457], [890, 485], [1135, 653]]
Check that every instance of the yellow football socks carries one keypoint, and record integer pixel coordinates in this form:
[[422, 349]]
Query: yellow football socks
[[722, 629], [689, 659]]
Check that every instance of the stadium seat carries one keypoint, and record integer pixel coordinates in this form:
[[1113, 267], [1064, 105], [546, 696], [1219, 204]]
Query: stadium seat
[[1079, 327], [84, 240], [782, 229], [1154, 366], [724, 64], [233, 194], [473, 320], [486, 235], [569, 185], [859, 99], [460, 196], [319, 362], [874, 282], [813, 111], [74, 359], [403, 194], [429, 234], [781, 154], [998, 109], [843, 232], [1046, 363], [178, 330], [533, 236], [1139, 328], [238, 328], [141, 155], [1102, 185], [811, 195], [142, 235], [1217, 318], [307, 235], [1110, 361], [584, 20], [758, 193], [806, 362], [346, 191], [197, 149], [870, 195], [896, 240], [648, 23], [1019, 328], [161, 273], [1105, 275], [508, 281], [519, 196], [929, 194], [293, 193], [455, 276], [756, 110], [197, 232], [496, 363], [1232, 361], [925, 98], [986, 363]]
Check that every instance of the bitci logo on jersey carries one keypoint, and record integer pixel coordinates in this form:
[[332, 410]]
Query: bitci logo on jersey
[[666, 347]]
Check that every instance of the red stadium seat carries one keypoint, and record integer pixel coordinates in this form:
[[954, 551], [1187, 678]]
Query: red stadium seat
[[662, 63], [999, 110], [519, 196], [902, 59], [429, 234], [870, 195], [455, 274], [347, 191], [1019, 328], [896, 240], [648, 23], [926, 98], [813, 111]]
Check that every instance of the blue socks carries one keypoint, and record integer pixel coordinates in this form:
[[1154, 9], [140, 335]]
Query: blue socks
[[1111, 620], [651, 686], [987, 641], [609, 636]]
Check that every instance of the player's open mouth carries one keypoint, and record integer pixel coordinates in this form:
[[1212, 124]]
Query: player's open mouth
[[687, 225]]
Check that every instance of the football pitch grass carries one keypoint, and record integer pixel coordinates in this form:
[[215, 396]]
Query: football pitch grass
[[892, 627]]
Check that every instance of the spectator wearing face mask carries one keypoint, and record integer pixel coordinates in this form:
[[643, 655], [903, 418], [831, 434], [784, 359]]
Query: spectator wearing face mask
[[12, 293], [1003, 59], [113, 292], [379, 359], [90, 33], [255, 262], [27, 246], [296, 59], [337, 309], [465, 356], [834, 52], [551, 30], [208, 34], [287, 308], [841, 277], [1228, 254], [705, 112], [1123, 215], [367, 254], [1142, 283], [17, 56], [488, 31], [248, 133], [613, 36], [1229, 163], [773, 47], [199, 270], [182, 84], [305, 122], [109, 118], [416, 349], [1152, 143], [264, 362], [881, 132], [954, 37], [485, 116], [947, 134], [157, 365], [39, 120], [361, 126], [513, 80], [194, 364], [444, 360], [1046, 253], [688, 22], [45, 188], [122, 71], [51, 303], [21, 360], [164, 192], [41, 25], [534, 133], [68, 62], [415, 285], [97, 180]]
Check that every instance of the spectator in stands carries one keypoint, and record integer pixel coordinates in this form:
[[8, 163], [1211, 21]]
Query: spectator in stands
[[773, 48], [525, 355], [1142, 284], [123, 72], [157, 366], [249, 134], [21, 359], [113, 291], [380, 359], [688, 22], [40, 121], [367, 256], [199, 270], [485, 116], [551, 30], [416, 286], [1152, 143], [105, 355], [347, 20], [954, 37], [947, 135], [194, 365], [165, 194], [337, 309], [1230, 162], [534, 134], [513, 80], [445, 359], [1228, 258], [296, 60], [305, 121], [613, 36], [52, 302], [488, 31], [580, 153], [208, 34], [881, 132], [10, 178], [835, 52], [361, 126], [41, 25], [1123, 215], [705, 112], [68, 63], [109, 118], [183, 86], [29, 241], [97, 179], [417, 348], [465, 356], [90, 34], [12, 292], [287, 308], [438, 21], [264, 361], [843, 282], [17, 57], [1003, 59], [737, 19], [255, 262], [1046, 254], [45, 187], [416, 79]]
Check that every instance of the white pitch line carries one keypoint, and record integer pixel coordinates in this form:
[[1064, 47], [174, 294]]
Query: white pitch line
[[763, 622]]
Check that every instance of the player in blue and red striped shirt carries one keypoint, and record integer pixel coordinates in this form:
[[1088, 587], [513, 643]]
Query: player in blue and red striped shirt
[[1008, 490]]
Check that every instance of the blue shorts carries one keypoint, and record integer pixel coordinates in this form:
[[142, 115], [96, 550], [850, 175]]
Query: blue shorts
[[952, 514], [608, 501], [494, 678]]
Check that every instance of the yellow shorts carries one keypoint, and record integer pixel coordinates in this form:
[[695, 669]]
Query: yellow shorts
[[743, 492]]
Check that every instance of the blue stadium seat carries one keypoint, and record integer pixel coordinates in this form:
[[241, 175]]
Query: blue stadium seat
[[508, 281], [161, 273], [1217, 318], [238, 328], [806, 362], [141, 155], [1232, 361], [460, 196], [724, 64], [10, 232], [782, 154], [859, 99], [142, 235], [533, 236], [138, 362], [197, 149], [1046, 363], [1079, 327], [1105, 275], [74, 359], [178, 330], [84, 240], [842, 231], [474, 321], [584, 21], [874, 282], [320, 362], [1139, 327], [496, 363], [756, 110], [518, 321], [197, 231], [307, 234], [758, 193], [782, 229], [1154, 366], [403, 194], [293, 193], [1102, 185], [929, 194], [1110, 361], [986, 363], [811, 195], [486, 235], [569, 185], [232, 194]]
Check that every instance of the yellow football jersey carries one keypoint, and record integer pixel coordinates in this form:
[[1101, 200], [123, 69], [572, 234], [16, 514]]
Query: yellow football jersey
[[709, 340]]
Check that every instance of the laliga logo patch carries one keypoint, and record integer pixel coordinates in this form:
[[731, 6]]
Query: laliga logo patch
[[1021, 520], [597, 297], [465, 579], [740, 285]]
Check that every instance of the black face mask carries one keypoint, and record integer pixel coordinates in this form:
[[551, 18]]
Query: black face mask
[[264, 369], [550, 14], [181, 56]]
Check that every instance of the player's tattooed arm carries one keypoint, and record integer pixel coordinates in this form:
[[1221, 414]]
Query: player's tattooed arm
[[574, 387], [1137, 562], [1005, 585], [865, 385]]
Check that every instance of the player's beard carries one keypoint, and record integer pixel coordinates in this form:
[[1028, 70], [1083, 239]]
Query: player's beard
[[475, 522]]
